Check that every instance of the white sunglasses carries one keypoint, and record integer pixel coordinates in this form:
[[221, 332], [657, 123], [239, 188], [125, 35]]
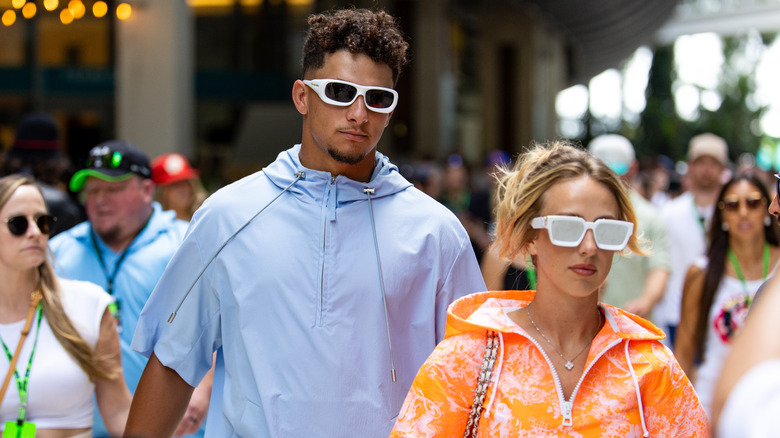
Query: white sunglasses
[[568, 231], [343, 93]]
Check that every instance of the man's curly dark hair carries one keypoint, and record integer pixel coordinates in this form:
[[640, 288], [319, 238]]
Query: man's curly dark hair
[[374, 34]]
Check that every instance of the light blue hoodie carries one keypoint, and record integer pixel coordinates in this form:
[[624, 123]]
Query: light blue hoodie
[[297, 301]]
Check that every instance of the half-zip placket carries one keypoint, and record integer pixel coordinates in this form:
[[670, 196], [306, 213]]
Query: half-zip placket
[[330, 207], [567, 406]]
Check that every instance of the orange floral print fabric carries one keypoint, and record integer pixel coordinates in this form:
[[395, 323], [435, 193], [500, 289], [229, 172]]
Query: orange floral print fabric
[[631, 384]]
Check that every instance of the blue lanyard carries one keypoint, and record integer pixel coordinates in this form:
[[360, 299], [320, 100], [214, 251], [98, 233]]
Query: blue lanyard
[[110, 276], [22, 383]]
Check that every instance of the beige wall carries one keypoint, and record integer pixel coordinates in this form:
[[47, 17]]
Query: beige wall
[[538, 76]]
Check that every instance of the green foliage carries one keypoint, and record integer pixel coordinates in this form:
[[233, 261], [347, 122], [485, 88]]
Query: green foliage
[[662, 131]]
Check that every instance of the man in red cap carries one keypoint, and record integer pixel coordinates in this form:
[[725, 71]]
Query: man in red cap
[[178, 185]]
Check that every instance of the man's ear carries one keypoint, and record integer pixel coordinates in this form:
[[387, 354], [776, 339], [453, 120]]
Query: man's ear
[[148, 187], [389, 115], [299, 97]]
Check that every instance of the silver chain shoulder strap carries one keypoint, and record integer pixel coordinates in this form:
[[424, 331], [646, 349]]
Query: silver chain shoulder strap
[[482, 384]]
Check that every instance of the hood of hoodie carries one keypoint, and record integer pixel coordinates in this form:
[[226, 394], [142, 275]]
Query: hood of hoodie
[[386, 179], [487, 311]]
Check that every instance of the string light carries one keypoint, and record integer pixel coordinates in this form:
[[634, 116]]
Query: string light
[[123, 11], [50, 5], [66, 17], [9, 17], [99, 9], [76, 8], [29, 10]]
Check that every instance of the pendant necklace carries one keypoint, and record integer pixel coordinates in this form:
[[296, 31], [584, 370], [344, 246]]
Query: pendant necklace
[[569, 362]]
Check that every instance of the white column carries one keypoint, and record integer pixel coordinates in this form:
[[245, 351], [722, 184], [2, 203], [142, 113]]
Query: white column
[[154, 77]]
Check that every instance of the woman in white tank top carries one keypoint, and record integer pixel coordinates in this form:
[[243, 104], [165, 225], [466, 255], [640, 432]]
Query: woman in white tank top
[[719, 289], [71, 350]]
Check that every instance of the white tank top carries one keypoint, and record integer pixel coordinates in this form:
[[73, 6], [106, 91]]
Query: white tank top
[[59, 392]]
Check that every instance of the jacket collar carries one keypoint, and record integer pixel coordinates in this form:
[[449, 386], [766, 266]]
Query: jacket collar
[[386, 180], [488, 311]]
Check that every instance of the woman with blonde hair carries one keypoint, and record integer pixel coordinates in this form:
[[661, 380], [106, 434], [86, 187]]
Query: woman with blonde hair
[[58, 336], [555, 361]]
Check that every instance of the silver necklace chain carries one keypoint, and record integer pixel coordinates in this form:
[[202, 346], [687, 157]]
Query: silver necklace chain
[[569, 362]]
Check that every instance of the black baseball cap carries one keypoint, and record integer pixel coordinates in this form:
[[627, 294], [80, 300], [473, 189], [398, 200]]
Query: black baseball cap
[[112, 161]]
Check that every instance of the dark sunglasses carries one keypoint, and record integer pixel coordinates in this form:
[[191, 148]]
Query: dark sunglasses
[[18, 225], [732, 204]]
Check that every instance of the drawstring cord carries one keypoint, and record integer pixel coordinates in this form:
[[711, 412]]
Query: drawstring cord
[[638, 393], [298, 176], [369, 191]]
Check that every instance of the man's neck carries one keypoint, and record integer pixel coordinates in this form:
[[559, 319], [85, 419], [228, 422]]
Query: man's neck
[[361, 171], [704, 198]]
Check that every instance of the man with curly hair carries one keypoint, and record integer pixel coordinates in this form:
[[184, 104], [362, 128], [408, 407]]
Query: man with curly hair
[[321, 281]]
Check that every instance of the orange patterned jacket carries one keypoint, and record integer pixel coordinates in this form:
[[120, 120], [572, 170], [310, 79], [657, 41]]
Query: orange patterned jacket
[[632, 384]]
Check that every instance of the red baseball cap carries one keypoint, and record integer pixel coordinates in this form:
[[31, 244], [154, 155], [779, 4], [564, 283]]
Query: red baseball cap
[[170, 168]]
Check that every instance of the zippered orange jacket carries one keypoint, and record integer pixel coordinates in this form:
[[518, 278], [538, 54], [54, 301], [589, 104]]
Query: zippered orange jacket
[[632, 384]]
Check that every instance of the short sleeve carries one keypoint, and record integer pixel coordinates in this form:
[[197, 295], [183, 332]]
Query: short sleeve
[[84, 303], [185, 344]]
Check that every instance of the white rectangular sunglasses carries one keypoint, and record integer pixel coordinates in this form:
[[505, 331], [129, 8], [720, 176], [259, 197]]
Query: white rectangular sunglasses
[[343, 93], [568, 231]]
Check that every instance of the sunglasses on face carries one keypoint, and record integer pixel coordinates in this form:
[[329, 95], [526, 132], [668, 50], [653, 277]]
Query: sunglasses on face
[[752, 202], [18, 225], [777, 178], [568, 231], [343, 93]]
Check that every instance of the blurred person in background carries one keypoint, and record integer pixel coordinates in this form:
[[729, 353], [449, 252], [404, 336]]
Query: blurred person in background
[[178, 185], [635, 284], [36, 152], [123, 247], [72, 352], [428, 177], [500, 274], [719, 288], [687, 219], [469, 203]]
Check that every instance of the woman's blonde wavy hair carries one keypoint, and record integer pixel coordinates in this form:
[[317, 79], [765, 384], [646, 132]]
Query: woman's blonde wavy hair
[[51, 304], [521, 190]]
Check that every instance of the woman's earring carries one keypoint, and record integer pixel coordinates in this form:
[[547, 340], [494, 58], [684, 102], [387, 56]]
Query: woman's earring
[[724, 226], [767, 221]]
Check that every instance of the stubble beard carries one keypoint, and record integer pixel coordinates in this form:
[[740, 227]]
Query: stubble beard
[[110, 235], [344, 158]]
